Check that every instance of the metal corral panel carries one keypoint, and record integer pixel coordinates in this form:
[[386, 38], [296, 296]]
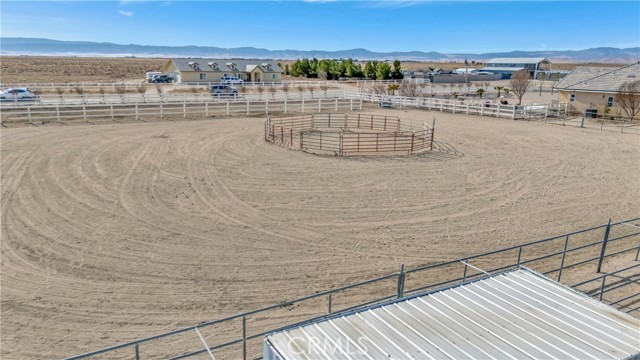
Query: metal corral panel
[[518, 314]]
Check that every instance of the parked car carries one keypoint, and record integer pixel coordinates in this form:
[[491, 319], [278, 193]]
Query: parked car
[[162, 79], [231, 80], [17, 94], [223, 89]]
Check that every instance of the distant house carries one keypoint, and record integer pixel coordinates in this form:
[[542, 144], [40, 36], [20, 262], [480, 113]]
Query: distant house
[[508, 66], [594, 88], [193, 70]]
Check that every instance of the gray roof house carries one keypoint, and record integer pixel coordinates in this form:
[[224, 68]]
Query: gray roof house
[[200, 70], [594, 88]]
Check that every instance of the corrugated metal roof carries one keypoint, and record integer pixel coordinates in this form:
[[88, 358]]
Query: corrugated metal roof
[[517, 60], [517, 315], [592, 78]]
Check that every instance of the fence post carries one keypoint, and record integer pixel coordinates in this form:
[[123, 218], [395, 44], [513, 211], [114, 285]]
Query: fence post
[[303, 106], [29, 113], [319, 105], [206, 109], [519, 255], [433, 132], [244, 338], [84, 111], [184, 109], [227, 107], [137, 351], [137, 116], [401, 282], [564, 253], [248, 107], [464, 273], [336, 104], [330, 301], [301, 137], [351, 105], [266, 105], [161, 112], [513, 115], [604, 245], [498, 112], [604, 280], [360, 103], [285, 105]]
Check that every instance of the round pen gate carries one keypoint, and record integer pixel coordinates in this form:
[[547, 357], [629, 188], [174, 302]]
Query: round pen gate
[[350, 134]]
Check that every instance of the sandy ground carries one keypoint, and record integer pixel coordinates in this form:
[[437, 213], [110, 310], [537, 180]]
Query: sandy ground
[[114, 232]]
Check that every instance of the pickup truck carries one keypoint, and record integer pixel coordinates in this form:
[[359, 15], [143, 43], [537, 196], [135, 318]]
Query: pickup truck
[[162, 79]]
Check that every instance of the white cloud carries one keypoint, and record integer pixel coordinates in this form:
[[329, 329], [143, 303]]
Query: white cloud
[[126, 13]]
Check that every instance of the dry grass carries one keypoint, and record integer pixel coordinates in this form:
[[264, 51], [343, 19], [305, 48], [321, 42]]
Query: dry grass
[[48, 69], [44, 69]]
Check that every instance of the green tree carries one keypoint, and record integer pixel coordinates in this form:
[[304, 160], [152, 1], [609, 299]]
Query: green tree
[[396, 72], [383, 71], [369, 70]]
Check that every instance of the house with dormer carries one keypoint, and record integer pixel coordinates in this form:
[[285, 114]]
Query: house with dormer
[[192, 70], [594, 88]]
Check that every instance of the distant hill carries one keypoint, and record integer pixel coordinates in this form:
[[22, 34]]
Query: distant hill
[[35, 46]]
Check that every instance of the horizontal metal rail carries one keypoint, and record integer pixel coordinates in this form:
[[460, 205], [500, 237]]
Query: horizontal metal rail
[[401, 291]]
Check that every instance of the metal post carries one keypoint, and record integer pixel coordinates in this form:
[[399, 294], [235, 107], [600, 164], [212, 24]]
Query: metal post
[[604, 245], [464, 273], [330, 302], [604, 279], [244, 338], [564, 253], [519, 255], [137, 351], [401, 282]]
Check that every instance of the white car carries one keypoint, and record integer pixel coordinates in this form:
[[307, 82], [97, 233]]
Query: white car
[[17, 94], [231, 80]]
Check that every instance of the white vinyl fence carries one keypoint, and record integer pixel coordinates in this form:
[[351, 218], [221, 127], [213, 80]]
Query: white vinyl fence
[[140, 111], [468, 107], [133, 98]]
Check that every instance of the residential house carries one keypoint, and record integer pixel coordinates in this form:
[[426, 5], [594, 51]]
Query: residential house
[[594, 88], [191, 70]]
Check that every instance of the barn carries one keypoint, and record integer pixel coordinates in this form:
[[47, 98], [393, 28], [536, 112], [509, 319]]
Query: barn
[[507, 66]]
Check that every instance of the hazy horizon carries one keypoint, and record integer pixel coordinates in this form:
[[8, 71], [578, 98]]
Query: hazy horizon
[[325, 25]]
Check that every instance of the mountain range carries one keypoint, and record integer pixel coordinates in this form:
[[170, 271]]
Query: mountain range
[[38, 46]]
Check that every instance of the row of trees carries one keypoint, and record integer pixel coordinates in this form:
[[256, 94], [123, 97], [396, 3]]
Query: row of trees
[[333, 69]]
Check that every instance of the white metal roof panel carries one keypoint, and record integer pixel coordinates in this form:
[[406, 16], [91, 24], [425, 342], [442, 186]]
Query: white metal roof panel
[[517, 60], [514, 315]]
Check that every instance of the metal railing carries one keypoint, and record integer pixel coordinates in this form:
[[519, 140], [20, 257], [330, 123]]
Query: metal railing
[[579, 249]]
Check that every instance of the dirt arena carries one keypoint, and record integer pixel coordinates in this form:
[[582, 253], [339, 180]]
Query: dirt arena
[[118, 231]]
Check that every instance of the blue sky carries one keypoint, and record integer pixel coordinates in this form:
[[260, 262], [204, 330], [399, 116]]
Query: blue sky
[[445, 26]]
